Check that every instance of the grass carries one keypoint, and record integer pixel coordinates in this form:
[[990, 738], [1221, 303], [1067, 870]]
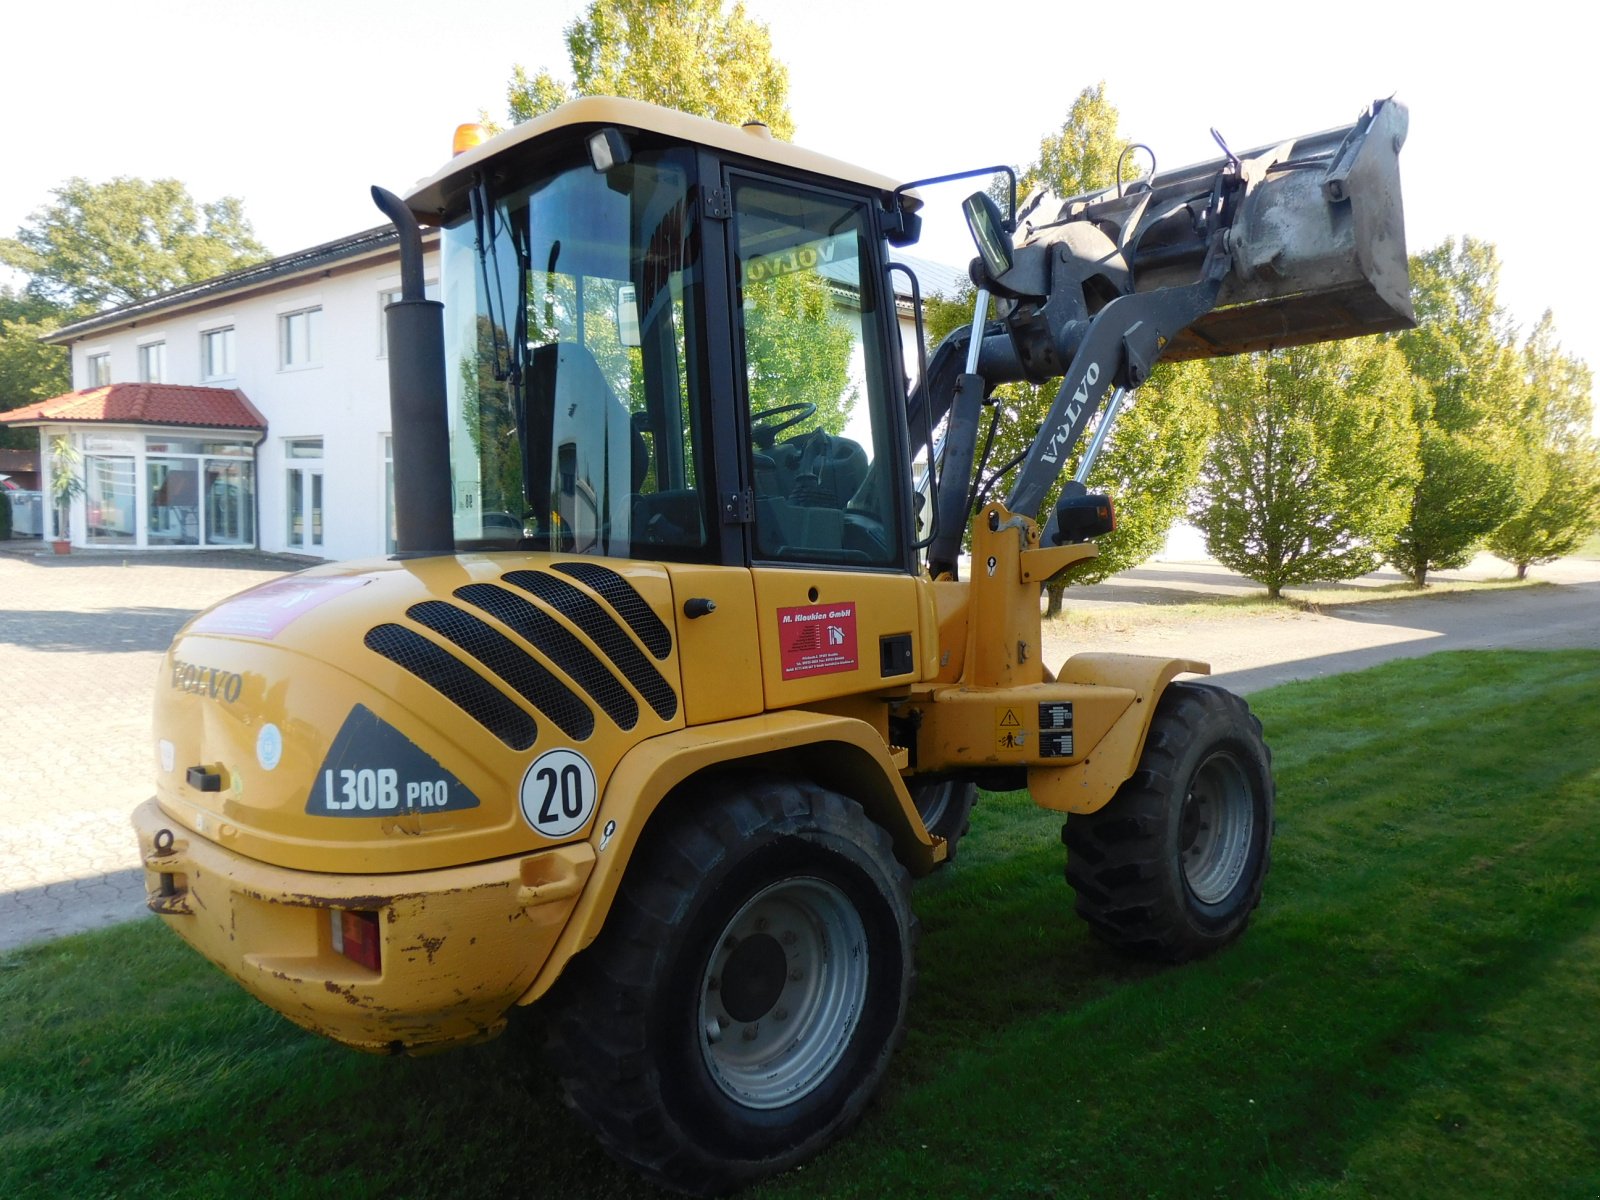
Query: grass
[[1411, 1013], [1589, 549]]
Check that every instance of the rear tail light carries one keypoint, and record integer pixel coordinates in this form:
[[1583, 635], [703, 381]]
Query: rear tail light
[[355, 935]]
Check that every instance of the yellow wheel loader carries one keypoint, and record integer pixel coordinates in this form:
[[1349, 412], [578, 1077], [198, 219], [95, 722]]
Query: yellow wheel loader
[[680, 674]]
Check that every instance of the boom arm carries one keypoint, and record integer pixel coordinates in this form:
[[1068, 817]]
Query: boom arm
[[1299, 242]]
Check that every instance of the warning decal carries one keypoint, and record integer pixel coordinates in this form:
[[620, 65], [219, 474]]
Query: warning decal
[[817, 639], [1009, 733]]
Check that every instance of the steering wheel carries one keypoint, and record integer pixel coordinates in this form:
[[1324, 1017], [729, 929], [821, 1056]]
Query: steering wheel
[[766, 425]]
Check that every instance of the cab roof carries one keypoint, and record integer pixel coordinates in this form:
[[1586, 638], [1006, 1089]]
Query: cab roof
[[440, 193]]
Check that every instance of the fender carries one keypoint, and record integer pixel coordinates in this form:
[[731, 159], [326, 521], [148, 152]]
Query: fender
[[840, 752], [1090, 784]]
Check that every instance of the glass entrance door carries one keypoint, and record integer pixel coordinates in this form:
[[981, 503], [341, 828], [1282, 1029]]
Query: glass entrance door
[[305, 508]]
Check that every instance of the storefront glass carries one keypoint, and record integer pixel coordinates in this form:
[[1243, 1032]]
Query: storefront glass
[[109, 500]]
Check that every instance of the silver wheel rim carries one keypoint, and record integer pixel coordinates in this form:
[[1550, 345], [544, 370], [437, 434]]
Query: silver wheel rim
[[932, 800], [783, 992], [1216, 828]]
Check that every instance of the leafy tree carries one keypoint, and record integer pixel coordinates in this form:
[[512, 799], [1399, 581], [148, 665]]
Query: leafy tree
[[99, 245], [797, 350], [1478, 462], [1558, 411], [1153, 455], [1082, 155], [693, 55], [29, 370], [1311, 469]]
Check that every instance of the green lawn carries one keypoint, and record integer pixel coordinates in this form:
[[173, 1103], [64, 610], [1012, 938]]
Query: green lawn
[[1413, 1012]]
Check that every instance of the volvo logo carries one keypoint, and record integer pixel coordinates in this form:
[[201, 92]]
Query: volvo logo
[[206, 681]]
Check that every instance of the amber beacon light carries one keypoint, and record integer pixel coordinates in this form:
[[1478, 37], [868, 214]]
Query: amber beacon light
[[468, 136]]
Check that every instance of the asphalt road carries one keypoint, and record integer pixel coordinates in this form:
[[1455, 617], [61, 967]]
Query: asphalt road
[[1248, 653], [81, 638]]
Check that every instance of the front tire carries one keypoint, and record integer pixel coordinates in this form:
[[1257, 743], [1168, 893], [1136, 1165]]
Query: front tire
[[946, 809], [1173, 866], [743, 1000]]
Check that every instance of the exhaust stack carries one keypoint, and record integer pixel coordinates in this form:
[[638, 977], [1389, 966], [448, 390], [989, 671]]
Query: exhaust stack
[[424, 522]]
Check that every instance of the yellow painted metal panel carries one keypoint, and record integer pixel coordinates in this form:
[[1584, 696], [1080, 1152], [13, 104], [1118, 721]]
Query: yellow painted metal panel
[[718, 652], [457, 946], [820, 631]]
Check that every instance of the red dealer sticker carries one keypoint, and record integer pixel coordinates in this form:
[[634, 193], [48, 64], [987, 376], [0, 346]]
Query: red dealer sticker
[[818, 639]]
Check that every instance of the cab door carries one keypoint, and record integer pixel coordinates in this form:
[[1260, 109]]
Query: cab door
[[822, 406]]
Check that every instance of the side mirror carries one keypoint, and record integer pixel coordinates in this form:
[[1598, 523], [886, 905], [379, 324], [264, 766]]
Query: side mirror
[[989, 232]]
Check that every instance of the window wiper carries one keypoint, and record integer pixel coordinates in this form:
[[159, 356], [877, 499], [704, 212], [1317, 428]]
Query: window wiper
[[507, 364]]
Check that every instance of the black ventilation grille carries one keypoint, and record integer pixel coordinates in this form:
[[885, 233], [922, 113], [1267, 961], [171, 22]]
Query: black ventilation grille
[[556, 642], [618, 592], [456, 681], [604, 632], [505, 659]]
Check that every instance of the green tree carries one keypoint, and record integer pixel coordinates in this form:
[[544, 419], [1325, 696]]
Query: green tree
[[697, 56], [1153, 456], [1478, 463], [99, 245], [30, 371], [1558, 411], [1311, 469]]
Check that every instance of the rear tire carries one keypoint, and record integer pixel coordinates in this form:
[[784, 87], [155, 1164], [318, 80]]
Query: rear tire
[[1173, 866], [743, 1000]]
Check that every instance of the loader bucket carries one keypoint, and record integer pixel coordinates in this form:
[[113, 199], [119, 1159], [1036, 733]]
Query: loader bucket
[[1318, 245]]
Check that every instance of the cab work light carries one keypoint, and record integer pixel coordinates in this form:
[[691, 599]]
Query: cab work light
[[355, 935]]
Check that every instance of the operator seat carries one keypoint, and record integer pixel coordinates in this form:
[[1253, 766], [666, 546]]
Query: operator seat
[[575, 425]]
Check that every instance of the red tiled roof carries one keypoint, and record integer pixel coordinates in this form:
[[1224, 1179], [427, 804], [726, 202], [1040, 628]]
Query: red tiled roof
[[144, 404]]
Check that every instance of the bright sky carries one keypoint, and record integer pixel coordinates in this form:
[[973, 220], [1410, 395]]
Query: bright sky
[[299, 105]]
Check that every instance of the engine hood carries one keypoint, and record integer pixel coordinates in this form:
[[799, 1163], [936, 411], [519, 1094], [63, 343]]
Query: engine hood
[[406, 715]]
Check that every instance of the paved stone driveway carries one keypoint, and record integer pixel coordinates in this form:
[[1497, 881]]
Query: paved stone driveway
[[81, 637]]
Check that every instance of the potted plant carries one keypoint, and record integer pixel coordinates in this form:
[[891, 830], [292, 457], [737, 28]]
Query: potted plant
[[65, 486]]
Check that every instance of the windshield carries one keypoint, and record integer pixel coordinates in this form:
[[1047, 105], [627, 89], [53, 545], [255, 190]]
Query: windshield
[[573, 322]]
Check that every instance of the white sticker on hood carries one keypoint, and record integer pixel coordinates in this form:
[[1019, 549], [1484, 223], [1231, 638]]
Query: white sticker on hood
[[559, 793]]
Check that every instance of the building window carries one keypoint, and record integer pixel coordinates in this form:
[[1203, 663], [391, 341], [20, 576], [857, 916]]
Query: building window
[[391, 542], [430, 291], [153, 362], [199, 492], [304, 493], [97, 370], [299, 338], [216, 353], [109, 499]]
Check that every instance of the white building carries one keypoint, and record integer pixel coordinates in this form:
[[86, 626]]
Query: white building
[[247, 410], [251, 409]]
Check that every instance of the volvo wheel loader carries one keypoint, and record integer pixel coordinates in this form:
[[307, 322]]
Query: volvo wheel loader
[[675, 682]]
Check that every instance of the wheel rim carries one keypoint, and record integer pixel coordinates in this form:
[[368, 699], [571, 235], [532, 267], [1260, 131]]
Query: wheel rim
[[932, 800], [1217, 828], [783, 992]]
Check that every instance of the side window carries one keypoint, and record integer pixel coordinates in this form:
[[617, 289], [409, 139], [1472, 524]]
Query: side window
[[815, 367]]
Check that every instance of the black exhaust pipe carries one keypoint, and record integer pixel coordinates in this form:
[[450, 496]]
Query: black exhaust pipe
[[424, 523]]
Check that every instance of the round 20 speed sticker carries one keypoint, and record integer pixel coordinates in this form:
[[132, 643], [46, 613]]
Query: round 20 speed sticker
[[559, 793]]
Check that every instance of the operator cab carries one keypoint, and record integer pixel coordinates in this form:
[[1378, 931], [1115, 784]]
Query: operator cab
[[670, 339]]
